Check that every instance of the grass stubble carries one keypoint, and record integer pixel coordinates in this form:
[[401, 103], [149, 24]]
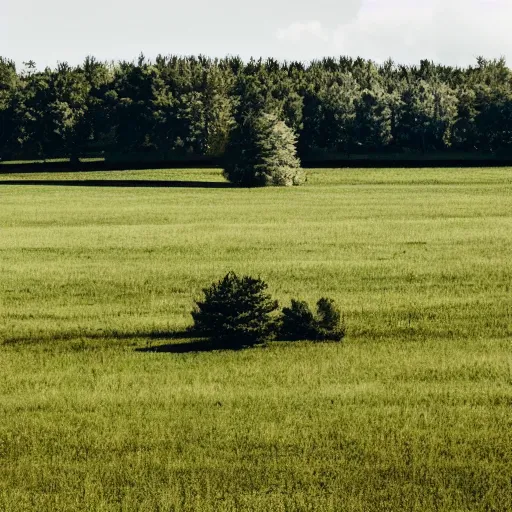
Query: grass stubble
[[413, 411]]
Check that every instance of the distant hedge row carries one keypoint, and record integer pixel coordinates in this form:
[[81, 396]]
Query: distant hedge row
[[189, 105]]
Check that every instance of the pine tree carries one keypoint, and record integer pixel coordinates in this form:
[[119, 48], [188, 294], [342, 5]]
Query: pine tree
[[235, 312], [9, 83], [277, 155], [218, 110], [373, 120], [262, 152]]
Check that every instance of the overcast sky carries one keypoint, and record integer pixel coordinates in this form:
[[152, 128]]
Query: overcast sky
[[447, 31]]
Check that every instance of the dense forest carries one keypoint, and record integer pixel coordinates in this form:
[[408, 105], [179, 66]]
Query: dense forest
[[178, 106]]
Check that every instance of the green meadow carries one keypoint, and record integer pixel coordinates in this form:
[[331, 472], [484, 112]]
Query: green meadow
[[101, 410]]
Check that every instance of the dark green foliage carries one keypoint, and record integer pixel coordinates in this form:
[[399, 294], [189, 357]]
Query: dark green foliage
[[235, 312], [241, 155], [191, 105], [328, 321], [299, 323], [8, 86], [373, 120]]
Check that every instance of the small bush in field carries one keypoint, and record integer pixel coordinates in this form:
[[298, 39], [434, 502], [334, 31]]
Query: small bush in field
[[235, 312], [299, 323], [329, 325]]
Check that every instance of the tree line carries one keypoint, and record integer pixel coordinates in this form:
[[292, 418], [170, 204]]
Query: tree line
[[175, 106]]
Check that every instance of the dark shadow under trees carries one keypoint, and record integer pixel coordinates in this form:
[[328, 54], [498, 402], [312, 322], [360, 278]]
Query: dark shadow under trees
[[185, 341], [120, 183]]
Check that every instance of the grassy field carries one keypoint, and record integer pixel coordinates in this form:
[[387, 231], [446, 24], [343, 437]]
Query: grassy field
[[413, 411]]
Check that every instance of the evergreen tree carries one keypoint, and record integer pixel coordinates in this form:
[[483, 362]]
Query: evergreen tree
[[464, 133], [338, 108], [200, 106], [219, 109], [68, 111], [235, 312], [8, 87], [262, 152], [373, 120], [427, 114], [31, 115], [277, 155]]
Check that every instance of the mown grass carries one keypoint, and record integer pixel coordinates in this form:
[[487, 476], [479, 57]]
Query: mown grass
[[413, 411]]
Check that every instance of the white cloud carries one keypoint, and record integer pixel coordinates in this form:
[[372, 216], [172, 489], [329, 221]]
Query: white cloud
[[300, 31], [448, 31]]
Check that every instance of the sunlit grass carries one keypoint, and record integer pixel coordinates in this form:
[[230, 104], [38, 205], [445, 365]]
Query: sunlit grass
[[411, 412], [407, 258]]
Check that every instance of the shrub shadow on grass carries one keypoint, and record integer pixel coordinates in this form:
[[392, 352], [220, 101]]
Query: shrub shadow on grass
[[120, 183], [95, 336], [180, 348], [196, 343], [187, 341]]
